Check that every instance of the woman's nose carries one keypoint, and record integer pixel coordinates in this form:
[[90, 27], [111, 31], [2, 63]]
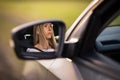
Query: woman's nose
[[49, 28]]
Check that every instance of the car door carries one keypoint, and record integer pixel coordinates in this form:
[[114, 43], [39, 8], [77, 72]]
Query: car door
[[81, 57], [91, 62]]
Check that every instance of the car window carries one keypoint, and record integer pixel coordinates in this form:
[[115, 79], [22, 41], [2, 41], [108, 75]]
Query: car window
[[108, 41]]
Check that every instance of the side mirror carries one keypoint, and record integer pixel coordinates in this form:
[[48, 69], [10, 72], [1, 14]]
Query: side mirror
[[39, 39]]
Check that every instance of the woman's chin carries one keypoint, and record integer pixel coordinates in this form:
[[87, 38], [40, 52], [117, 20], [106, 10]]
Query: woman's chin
[[48, 37]]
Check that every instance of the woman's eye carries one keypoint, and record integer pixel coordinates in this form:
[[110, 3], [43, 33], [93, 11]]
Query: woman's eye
[[45, 25]]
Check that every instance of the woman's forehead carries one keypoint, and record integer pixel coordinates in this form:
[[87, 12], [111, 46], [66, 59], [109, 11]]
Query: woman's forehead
[[47, 24]]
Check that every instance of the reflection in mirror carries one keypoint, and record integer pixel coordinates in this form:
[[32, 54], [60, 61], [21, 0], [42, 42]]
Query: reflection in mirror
[[39, 39], [44, 39]]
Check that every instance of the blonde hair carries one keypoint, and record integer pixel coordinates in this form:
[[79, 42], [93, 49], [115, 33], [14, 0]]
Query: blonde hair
[[39, 37]]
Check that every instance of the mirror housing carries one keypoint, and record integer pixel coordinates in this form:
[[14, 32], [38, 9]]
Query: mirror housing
[[22, 36]]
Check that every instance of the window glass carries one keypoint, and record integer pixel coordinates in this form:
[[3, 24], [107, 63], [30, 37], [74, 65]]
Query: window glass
[[116, 21], [108, 42]]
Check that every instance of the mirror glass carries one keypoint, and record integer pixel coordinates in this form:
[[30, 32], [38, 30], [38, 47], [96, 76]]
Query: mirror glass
[[43, 38], [38, 39]]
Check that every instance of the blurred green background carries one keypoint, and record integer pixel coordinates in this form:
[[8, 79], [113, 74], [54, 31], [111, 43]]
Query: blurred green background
[[13, 13], [16, 12]]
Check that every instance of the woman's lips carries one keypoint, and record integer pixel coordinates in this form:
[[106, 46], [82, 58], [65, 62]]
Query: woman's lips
[[49, 32]]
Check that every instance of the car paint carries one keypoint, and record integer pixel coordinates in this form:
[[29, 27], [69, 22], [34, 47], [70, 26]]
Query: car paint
[[69, 69], [66, 69], [83, 66]]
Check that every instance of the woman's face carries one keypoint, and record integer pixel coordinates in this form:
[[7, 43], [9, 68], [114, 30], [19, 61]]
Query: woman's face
[[47, 27]]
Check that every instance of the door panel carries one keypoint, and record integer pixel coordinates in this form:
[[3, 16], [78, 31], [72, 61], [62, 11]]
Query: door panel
[[35, 71], [90, 73]]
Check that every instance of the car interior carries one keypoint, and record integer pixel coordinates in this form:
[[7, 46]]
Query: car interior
[[108, 41]]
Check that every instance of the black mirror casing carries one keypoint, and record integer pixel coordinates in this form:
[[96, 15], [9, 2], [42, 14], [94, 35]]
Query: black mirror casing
[[20, 43]]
